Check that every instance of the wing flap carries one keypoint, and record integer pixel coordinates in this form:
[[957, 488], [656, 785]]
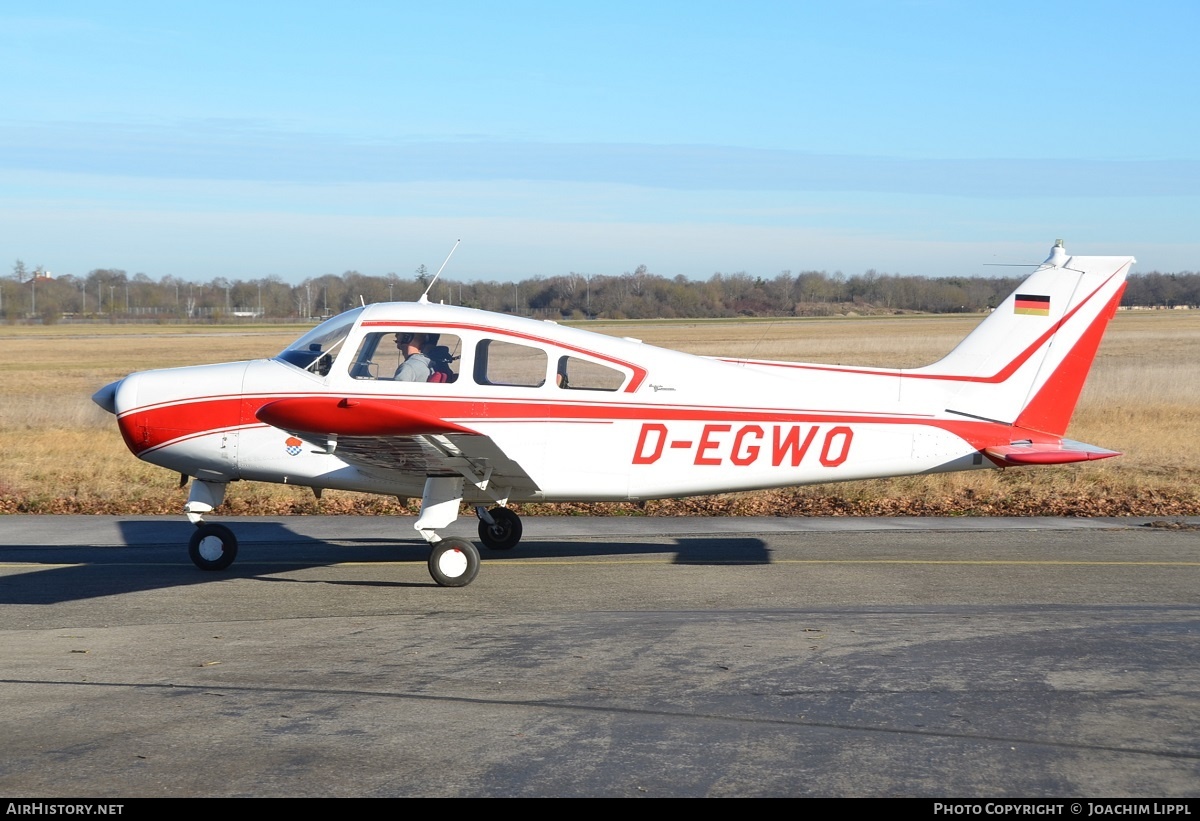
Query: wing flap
[[475, 456]]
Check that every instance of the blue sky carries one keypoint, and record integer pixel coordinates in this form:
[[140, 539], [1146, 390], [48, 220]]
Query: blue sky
[[297, 139]]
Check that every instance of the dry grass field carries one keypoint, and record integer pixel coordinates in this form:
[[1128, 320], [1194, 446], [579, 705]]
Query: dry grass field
[[60, 453]]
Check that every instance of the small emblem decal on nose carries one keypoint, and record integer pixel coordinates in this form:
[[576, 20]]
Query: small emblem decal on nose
[[293, 445]]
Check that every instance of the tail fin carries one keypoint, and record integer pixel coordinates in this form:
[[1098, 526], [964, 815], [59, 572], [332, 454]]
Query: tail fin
[[1026, 364]]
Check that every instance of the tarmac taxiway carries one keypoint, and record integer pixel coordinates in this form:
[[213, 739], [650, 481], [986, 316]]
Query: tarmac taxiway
[[604, 657]]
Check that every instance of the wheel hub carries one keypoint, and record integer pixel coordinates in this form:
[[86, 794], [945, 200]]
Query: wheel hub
[[211, 548], [453, 563]]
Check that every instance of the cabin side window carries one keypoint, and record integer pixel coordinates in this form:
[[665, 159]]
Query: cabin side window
[[504, 363], [577, 374], [408, 356]]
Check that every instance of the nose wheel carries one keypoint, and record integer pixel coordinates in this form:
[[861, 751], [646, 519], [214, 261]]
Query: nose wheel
[[453, 562], [213, 547]]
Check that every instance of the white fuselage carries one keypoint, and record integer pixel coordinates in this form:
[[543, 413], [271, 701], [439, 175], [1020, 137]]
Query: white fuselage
[[663, 424], [528, 410], [457, 405]]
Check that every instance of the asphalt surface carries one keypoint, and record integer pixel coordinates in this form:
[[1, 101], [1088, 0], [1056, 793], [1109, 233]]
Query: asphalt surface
[[983, 658]]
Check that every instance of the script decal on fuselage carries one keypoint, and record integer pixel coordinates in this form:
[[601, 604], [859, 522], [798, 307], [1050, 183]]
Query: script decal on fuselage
[[748, 444]]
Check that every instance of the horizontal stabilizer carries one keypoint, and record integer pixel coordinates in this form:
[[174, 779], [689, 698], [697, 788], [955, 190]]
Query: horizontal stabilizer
[[353, 417], [1041, 453]]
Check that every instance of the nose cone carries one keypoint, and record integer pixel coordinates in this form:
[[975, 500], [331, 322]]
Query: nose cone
[[185, 419], [106, 397]]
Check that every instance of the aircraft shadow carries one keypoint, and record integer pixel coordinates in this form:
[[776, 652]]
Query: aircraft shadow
[[154, 557]]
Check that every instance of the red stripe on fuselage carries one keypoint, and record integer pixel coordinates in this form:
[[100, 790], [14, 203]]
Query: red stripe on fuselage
[[153, 426], [156, 426]]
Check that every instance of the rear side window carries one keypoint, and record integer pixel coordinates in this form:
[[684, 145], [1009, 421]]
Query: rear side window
[[505, 363], [576, 374]]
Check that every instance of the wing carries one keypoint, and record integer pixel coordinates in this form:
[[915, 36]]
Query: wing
[[388, 435]]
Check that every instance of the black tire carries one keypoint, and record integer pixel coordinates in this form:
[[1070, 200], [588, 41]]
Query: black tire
[[503, 535], [213, 547], [453, 562]]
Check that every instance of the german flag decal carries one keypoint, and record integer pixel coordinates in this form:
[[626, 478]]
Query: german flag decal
[[1032, 305]]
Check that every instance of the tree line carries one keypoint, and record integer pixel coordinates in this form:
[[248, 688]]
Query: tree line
[[110, 294]]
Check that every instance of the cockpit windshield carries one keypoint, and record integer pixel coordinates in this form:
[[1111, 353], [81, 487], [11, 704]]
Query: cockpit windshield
[[315, 351]]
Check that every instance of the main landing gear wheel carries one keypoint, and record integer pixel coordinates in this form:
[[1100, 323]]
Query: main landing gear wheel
[[504, 534], [213, 547], [453, 562]]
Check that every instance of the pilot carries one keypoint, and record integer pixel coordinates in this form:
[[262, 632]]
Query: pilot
[[416, 366]]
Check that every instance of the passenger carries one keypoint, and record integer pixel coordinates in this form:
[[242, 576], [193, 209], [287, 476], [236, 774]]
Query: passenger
[[416, 366]]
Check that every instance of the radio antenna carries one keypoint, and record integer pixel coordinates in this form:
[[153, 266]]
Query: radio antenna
[[425, 296]]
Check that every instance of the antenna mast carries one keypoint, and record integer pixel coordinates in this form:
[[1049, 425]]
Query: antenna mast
[[425, 296]]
